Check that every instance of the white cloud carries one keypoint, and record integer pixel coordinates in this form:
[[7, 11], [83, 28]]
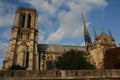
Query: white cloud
[[41, 37], [7, 12], [6, 20], [3, 47], [83, 44], [67, 13], [6, 34], [70, 22]]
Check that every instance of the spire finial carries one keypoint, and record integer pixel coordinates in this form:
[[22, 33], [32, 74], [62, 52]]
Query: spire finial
[[95, 35], [84, 25], [111, 37]]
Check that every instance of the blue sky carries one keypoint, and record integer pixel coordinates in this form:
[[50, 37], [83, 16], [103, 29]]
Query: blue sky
[[60, 20]]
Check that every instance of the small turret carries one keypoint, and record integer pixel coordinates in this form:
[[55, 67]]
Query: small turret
[[95, 35], [111, 37]]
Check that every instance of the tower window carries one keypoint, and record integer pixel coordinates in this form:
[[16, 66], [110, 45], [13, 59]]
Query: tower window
[[22, 20], [27, 59], [29, 21], [20, 36]]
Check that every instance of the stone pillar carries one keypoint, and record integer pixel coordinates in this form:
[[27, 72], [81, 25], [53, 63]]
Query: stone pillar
[[21, 59], [24, 37], [17, 19], [41, 61], [30, 63], [37, 68], [45, 62], [33, 20], [36, 23], [37, 57], [45, 66], [26, 20], [15, 33]]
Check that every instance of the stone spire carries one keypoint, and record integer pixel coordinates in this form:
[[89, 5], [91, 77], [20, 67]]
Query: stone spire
[[111, 37], [86, 34], [95, 35]]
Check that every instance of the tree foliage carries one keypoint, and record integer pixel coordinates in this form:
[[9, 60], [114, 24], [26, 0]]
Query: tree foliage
[[73, 60], [16, 67]]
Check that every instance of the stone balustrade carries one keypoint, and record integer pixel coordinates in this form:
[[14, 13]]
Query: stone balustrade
[[112, 74]]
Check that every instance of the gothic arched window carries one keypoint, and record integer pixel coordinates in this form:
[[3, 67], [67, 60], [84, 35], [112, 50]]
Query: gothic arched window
[[22, 19], [29, 21], [20, 35], [27, 59]]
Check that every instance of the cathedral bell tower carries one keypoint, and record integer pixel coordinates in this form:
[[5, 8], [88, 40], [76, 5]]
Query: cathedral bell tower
[[22, 49]]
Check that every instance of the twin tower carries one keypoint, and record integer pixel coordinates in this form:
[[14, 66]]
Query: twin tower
[[22, 49]]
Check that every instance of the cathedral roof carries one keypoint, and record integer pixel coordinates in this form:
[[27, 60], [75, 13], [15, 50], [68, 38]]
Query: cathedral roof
[[58, 48]]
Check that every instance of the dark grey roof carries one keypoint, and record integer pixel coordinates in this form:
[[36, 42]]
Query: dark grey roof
[[58, 48]]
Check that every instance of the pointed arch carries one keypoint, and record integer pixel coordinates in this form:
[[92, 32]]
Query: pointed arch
[[29, 21], [22, 19]]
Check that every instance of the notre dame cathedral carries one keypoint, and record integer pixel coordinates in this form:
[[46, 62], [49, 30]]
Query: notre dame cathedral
[[25, 51]]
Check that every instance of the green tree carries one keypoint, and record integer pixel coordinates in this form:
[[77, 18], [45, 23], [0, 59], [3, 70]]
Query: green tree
[[16, 67], [73, 60]]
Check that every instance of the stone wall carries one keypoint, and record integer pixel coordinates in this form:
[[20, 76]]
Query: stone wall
[[61, 74]]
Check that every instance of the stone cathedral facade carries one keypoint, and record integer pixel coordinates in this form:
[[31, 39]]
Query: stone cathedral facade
[[22, 49], [25, 51], [97, 49]]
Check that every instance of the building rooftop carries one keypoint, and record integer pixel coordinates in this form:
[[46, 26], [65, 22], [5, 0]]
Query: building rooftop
[[58, 48]]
